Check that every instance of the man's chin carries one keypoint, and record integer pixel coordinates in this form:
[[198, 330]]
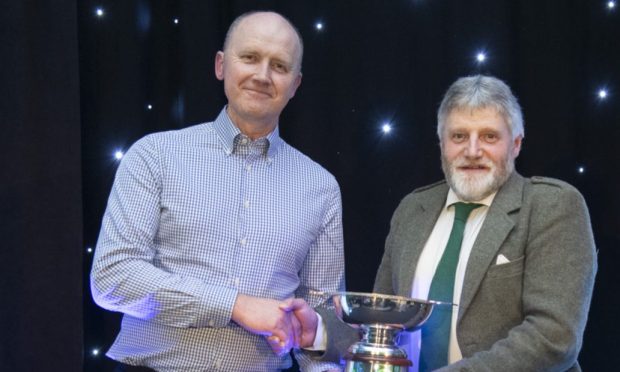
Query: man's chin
[[471, 188]]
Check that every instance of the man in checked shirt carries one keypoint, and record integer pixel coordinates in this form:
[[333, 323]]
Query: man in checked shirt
[[209, 229]]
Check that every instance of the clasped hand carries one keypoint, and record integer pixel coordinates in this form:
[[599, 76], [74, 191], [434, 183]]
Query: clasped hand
[[286, 324]]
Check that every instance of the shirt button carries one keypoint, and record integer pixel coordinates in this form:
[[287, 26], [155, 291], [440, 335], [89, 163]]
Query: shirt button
[[244, 141], [211, 323], [244, 241], [218, 364], [248, 167], [236, 281], [246, 204]]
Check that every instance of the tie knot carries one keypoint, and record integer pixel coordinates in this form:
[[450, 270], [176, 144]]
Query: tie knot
[[462, 210]]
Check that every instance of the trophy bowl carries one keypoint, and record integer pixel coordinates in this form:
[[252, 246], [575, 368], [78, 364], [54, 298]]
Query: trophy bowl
[[381, 319], [372, 308]]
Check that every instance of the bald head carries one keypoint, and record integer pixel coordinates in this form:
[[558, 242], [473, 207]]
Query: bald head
[[268, 19]]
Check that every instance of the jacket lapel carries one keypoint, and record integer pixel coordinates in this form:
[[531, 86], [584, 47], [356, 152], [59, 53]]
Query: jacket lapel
[[423, 217], [496, 227]]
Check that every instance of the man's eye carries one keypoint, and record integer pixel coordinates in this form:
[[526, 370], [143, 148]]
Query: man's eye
[[490, 137], [458, 137], [248, 57], [280, 67]]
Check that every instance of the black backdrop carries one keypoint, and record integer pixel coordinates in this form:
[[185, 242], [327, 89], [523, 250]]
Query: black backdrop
[[40, 188], [373, 62]]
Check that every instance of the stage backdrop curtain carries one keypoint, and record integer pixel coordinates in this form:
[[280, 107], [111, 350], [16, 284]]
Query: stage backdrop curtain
[[40, 188]]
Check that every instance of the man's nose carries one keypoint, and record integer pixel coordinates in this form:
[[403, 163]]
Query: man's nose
[[262, 73], [473, 149]]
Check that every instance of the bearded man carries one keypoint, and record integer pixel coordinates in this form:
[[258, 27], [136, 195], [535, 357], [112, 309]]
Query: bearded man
[[515, 254]]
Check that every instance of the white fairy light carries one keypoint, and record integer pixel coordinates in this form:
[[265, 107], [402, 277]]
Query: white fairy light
[[386, 128]]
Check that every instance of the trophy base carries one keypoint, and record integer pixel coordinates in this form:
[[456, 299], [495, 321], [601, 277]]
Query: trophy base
[[361, 363]]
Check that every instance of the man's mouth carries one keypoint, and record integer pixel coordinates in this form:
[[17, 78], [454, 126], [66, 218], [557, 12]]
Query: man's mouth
[[258, 92], [473, 167]]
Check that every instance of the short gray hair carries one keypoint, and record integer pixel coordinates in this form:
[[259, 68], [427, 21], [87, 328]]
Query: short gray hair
[[479, 92], [239, 19]]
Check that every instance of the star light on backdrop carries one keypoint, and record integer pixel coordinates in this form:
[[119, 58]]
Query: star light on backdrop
[[319, 26], [118, 155], [95, 352], [581, 170], [386, 128], [99, 12], [89, 250], [149, 107], [481, 57], [602, 93], [611, 4], [176, 21]]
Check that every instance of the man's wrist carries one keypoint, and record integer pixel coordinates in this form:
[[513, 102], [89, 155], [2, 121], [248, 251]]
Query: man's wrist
[[320, 336]]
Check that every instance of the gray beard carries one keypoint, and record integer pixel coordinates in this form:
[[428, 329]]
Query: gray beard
[[476, 188]]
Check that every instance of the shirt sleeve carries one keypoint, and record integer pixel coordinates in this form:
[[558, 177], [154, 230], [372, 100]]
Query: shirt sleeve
[[124, 277], [320, 339], [323, 270]]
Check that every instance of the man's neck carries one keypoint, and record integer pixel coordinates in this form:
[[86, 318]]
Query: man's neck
[[253, 129]]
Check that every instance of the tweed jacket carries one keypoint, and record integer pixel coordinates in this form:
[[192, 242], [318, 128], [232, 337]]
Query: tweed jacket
[[525, 315]]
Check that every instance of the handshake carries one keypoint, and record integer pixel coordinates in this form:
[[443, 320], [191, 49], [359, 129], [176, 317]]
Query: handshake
[[286, 324]]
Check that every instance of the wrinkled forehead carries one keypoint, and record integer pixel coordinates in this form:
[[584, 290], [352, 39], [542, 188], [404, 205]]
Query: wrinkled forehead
[[477, 117]]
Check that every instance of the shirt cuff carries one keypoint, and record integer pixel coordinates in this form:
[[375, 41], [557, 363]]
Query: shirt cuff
[[320, 338]]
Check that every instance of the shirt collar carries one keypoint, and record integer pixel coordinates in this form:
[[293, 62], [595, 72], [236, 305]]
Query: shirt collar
[[227, 132], [452, 198]]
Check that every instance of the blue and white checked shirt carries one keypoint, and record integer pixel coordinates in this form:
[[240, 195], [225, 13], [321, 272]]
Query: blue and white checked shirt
[[197, 216]]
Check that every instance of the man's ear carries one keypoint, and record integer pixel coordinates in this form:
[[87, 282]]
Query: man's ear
[[516, 146], [295, 85], [219, 65]]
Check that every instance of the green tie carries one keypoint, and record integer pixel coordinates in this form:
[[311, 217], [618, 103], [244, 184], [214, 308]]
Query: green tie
[[436, 330]]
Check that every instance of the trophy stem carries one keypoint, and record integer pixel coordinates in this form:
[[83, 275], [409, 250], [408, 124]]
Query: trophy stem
[[377, 351], [381, 334]]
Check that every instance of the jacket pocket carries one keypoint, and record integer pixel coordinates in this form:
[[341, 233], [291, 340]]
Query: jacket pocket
[[512, 268]]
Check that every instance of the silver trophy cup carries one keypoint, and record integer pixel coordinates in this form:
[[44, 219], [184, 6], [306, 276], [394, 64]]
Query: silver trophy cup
[[381, 318]]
